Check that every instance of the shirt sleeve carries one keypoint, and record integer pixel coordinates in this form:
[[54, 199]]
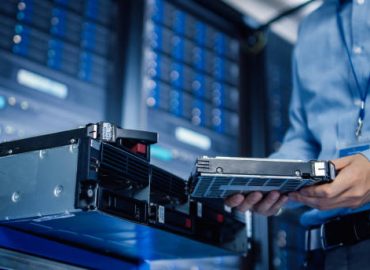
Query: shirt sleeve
[[298, 142]]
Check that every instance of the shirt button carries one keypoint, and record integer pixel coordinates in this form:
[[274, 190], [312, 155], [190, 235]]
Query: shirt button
[[360, 2], [357, 49], [357, 102]]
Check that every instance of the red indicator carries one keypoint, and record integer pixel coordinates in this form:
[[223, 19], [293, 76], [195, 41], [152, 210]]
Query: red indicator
[[139, 148], [220, 218], [188, 223]]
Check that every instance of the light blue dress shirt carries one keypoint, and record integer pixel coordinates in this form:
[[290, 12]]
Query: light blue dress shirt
[[325, 100]]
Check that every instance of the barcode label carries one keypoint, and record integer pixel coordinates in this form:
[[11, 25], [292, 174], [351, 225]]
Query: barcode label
[[199, 209], [161, 214]]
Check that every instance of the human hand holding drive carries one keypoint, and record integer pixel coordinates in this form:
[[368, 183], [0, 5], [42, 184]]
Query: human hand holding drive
[[351, 187], [265, 205]]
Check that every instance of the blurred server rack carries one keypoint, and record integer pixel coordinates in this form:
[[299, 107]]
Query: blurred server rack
[[191, 85], [57, 64], [278, 88]]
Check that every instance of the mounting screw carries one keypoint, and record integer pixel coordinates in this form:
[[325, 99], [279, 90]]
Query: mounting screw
[[73, 146], [58, 190], [42, 154], [10, 151], [90, 193], [16, 197], [219, 170], [298, 173]]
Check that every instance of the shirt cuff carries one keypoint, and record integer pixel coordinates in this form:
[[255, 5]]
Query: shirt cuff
[[366, 154]]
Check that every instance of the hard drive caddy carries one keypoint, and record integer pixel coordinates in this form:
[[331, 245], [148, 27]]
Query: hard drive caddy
[[215, 225], [169, 202], [220, 177]]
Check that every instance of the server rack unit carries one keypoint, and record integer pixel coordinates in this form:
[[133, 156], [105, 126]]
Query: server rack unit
[[191, 87], [278, 89], [56, 64]]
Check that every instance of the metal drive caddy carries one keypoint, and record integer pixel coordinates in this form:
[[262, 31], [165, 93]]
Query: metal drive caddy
[[220, 177]]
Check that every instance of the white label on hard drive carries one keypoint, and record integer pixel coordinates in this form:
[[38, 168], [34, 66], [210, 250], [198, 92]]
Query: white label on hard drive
[[320, 169], [199, 209], [161, 214], [107, 132]]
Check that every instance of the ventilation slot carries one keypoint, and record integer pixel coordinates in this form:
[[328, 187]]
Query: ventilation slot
[[168, 184], [121, 167]]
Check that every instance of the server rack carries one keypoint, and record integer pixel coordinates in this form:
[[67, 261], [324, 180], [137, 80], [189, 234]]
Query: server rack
[[191, 56], [59, 67]]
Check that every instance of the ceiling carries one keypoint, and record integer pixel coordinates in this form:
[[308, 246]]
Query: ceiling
[[261, 11]]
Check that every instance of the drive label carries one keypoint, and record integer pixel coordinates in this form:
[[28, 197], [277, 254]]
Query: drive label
[[161, 214]]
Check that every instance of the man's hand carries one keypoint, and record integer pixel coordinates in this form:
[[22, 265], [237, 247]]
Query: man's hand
[[255, 201], [351, 187]]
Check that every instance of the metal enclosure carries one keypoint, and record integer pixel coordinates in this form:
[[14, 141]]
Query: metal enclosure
[[38, 183]]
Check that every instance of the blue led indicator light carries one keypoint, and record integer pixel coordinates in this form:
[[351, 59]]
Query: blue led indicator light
[[161, 153], [2, 102]]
